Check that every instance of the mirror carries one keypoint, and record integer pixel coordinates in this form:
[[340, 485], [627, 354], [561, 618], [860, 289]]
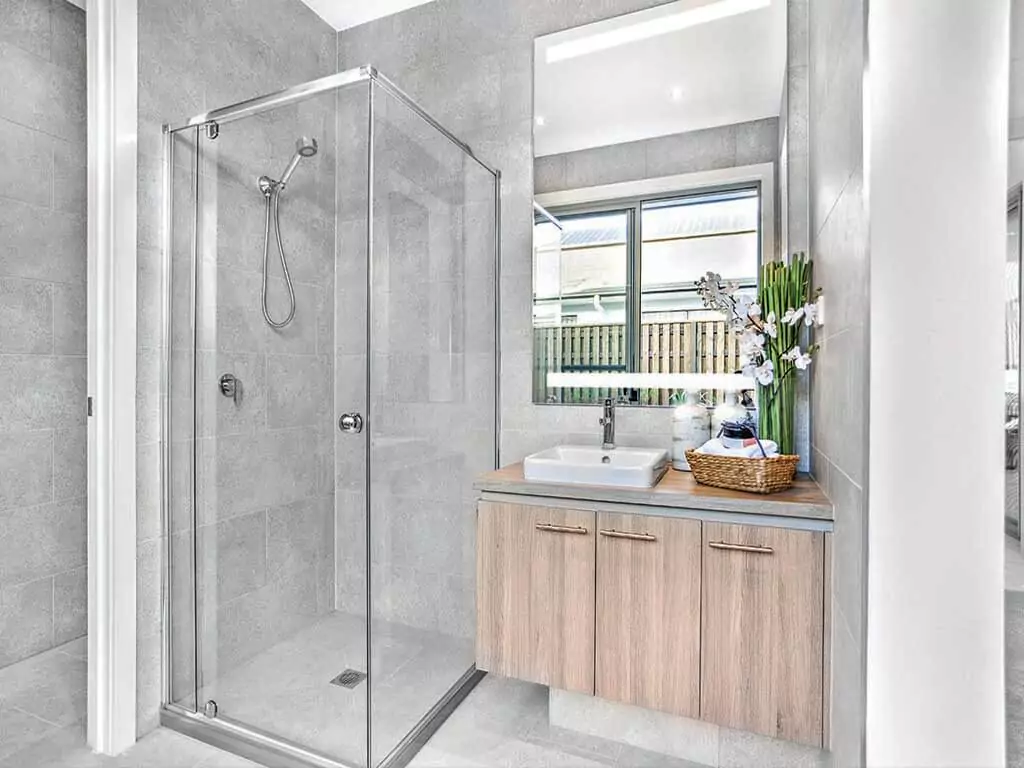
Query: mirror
[[658, 142]]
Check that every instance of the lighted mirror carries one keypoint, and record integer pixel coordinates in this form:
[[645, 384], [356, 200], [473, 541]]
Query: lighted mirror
[[657, 143]]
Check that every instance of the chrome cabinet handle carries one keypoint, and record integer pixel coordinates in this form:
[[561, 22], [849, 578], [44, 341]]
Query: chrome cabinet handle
[[741, 547], [351, 423], [613, 534], [231, 386], [577, 529]]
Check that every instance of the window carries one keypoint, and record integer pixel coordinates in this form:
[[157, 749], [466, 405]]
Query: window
[[614, 288]]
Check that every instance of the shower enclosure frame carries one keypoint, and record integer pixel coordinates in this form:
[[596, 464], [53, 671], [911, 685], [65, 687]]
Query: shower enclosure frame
[[234, 736]]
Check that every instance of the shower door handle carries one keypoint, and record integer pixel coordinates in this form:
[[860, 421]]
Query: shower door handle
[[351, 423]]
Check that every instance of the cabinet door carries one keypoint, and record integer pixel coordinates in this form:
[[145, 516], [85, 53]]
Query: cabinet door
[[648, 612], [763, 630], [535, 594]]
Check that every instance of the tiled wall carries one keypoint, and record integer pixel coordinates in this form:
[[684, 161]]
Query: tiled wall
[[42, 327], [725, 146], [264, 464], [839, 229], [470, 64]]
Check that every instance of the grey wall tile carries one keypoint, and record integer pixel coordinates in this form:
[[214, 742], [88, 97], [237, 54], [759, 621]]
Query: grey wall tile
[[704, 150], [26, 317], [68, 47], [606, 165], [40, 243], [70, 463], [26, 161], [26, 620], [41, 95], [298, 534], [757, 141], [42, 313], [148, 556], [298, 390], [41, 392], [70, 597], [41, 541], [69, 319], [234, 556], [258, 620], [26, 24], [69, 176], [243, 473], [26, 466]]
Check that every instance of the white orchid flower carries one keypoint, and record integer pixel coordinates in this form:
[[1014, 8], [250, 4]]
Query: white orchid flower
[[770, 327], [754, 310], [765, 373], [800, 359], [751, 343], [810, 313], [792, 316], [742, 307]]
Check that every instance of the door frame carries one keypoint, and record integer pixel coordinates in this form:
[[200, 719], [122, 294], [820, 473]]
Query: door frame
[[112, 85]]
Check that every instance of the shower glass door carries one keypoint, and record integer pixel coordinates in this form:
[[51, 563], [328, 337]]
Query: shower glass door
[[278, 489], [433, 401]]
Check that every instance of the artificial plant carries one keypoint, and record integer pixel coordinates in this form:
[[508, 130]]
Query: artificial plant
[[770, 327]]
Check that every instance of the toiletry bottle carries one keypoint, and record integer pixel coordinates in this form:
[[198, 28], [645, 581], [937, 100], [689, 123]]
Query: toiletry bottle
[[691, 428], [727, 410]]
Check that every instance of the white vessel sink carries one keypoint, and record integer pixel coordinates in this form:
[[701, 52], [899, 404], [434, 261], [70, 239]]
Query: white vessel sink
[[625, 467]]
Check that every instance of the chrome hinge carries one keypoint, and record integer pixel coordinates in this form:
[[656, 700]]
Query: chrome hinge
[[212, 130], [88, 406]]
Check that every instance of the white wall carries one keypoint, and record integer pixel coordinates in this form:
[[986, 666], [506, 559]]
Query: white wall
[[936, 134]]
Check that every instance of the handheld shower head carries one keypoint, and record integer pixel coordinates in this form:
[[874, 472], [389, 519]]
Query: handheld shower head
[[306, 146]]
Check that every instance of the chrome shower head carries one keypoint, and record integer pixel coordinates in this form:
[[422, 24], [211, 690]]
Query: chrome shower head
[[306, 146]]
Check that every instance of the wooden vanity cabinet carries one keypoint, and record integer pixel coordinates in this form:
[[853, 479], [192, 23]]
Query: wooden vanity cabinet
[[535, 594], [763, 620], [721, 622], [648, 612]]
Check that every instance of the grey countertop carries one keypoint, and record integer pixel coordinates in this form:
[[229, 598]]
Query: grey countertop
[[805, 500]]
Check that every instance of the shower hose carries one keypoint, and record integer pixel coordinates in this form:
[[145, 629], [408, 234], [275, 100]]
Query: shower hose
[[273, 201]]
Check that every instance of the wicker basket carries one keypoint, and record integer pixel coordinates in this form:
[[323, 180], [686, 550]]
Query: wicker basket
[[742, 474]]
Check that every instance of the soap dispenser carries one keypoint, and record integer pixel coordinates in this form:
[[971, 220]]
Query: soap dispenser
[[727, 410], [691, 428]]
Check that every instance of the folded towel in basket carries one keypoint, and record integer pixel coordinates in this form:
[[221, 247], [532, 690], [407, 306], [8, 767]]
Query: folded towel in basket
[[715, 448]]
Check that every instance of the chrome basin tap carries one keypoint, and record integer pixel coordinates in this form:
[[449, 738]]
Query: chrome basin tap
[[608, 422]]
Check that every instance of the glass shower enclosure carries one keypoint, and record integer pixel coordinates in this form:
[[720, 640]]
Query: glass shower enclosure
[[331, 390]]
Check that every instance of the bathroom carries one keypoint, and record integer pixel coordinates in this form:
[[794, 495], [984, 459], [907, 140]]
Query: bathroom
[[276, 325]]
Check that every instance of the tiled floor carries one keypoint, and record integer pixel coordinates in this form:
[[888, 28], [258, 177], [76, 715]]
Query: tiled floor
[[160, 749], [504, 724], [501, 724], [41, 696], [286, 689]]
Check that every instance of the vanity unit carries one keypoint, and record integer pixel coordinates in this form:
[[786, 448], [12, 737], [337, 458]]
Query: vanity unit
[[702, 603]]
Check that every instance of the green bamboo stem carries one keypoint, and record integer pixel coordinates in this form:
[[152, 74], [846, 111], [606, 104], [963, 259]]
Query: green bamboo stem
[[783, 287]]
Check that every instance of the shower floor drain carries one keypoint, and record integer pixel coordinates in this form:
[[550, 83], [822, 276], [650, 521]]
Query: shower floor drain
[[350, 678]]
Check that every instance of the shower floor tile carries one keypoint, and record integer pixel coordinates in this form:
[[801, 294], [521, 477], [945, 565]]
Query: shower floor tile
[[287, 691]]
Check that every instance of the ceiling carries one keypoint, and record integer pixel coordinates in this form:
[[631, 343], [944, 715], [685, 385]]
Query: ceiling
[[728, 70], [342, 14]]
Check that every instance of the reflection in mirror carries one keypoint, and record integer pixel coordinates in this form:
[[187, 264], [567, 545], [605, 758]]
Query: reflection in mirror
[[656, 139]]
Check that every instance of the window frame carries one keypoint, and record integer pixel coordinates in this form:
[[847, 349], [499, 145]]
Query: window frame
[[633, 207]]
